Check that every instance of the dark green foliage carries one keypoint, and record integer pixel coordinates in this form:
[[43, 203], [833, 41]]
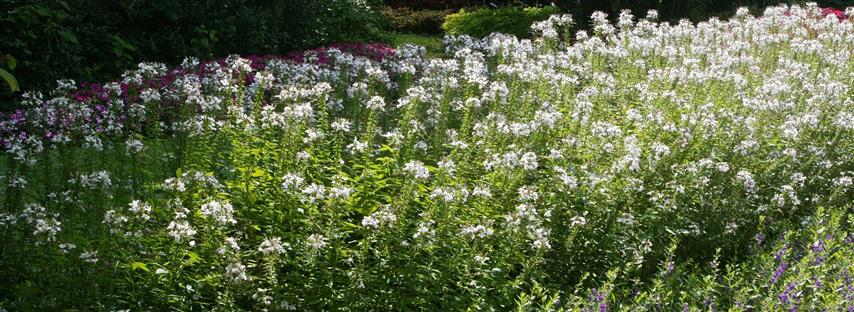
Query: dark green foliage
[[416, 21], [434, 4], [90, 40], [484, 21]]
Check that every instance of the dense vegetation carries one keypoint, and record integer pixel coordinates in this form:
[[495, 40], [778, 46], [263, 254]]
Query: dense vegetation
[[91, 40], [508, 20], [97, 40], [637, 167], [416, 21]]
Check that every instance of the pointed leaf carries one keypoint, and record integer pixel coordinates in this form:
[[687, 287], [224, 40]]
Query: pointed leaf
[[139, 266], [13, 83], [11, 62]]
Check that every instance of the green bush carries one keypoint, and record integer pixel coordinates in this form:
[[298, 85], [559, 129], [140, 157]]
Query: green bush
[[484, 21], [416, 21]]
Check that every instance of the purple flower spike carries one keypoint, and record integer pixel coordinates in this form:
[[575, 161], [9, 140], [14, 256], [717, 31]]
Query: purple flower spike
[[779, 272]]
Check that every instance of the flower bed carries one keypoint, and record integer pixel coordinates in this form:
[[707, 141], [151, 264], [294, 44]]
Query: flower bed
[[642, 166]]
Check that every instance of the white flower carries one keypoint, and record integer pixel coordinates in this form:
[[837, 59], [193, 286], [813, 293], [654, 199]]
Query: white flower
[[291, 182], [376, 102], [476, 231], [424, 229], [174, 184], [262, 297], [341, 124], [379, 217], [481, 191], [541, 238], [313, 192], [230, 243], [569, 181], [417, 169], [316, 241], [660, 150], [723, 167], [113, 218], [99, 179], [370, 221], [134, 146], [312, 134], [272, 245], [578, 221], [844, 182], [357, 146], [447, 166], [528, 194], [236, 272], [747, 180], [340, 191], [652, 15], [89, 256], [181, 231], [221, 212], [444, 194], [66, 247], [149, 95], [529, 161], [141, 208]]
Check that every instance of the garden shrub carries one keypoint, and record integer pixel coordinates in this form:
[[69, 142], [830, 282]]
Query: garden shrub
[[484, 21], [434, 4], [416, 21]]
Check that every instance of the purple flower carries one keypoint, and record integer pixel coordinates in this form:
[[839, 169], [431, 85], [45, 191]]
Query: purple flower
[[818, 246], [17, 116], [670, 267], [760, 237], [784, 297], [779, 272]]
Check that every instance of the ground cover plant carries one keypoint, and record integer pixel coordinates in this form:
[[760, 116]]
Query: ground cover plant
[[642, 166]]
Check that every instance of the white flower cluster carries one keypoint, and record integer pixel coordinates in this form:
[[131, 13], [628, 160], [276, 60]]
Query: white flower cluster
[[220, 211]]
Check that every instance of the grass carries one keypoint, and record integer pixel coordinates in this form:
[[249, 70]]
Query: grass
[[433, 43]]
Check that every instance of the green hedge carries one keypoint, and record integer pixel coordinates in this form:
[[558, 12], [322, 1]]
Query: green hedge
[[416, 21], [484, 21]]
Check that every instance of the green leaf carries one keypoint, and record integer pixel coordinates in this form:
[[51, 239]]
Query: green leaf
[[13, 83], [139, 266], [120, 43], [194, 258], [11, 62], [69, 36]]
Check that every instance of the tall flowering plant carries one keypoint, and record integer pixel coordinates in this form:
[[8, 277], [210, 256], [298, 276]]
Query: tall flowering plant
[[639, 166]]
